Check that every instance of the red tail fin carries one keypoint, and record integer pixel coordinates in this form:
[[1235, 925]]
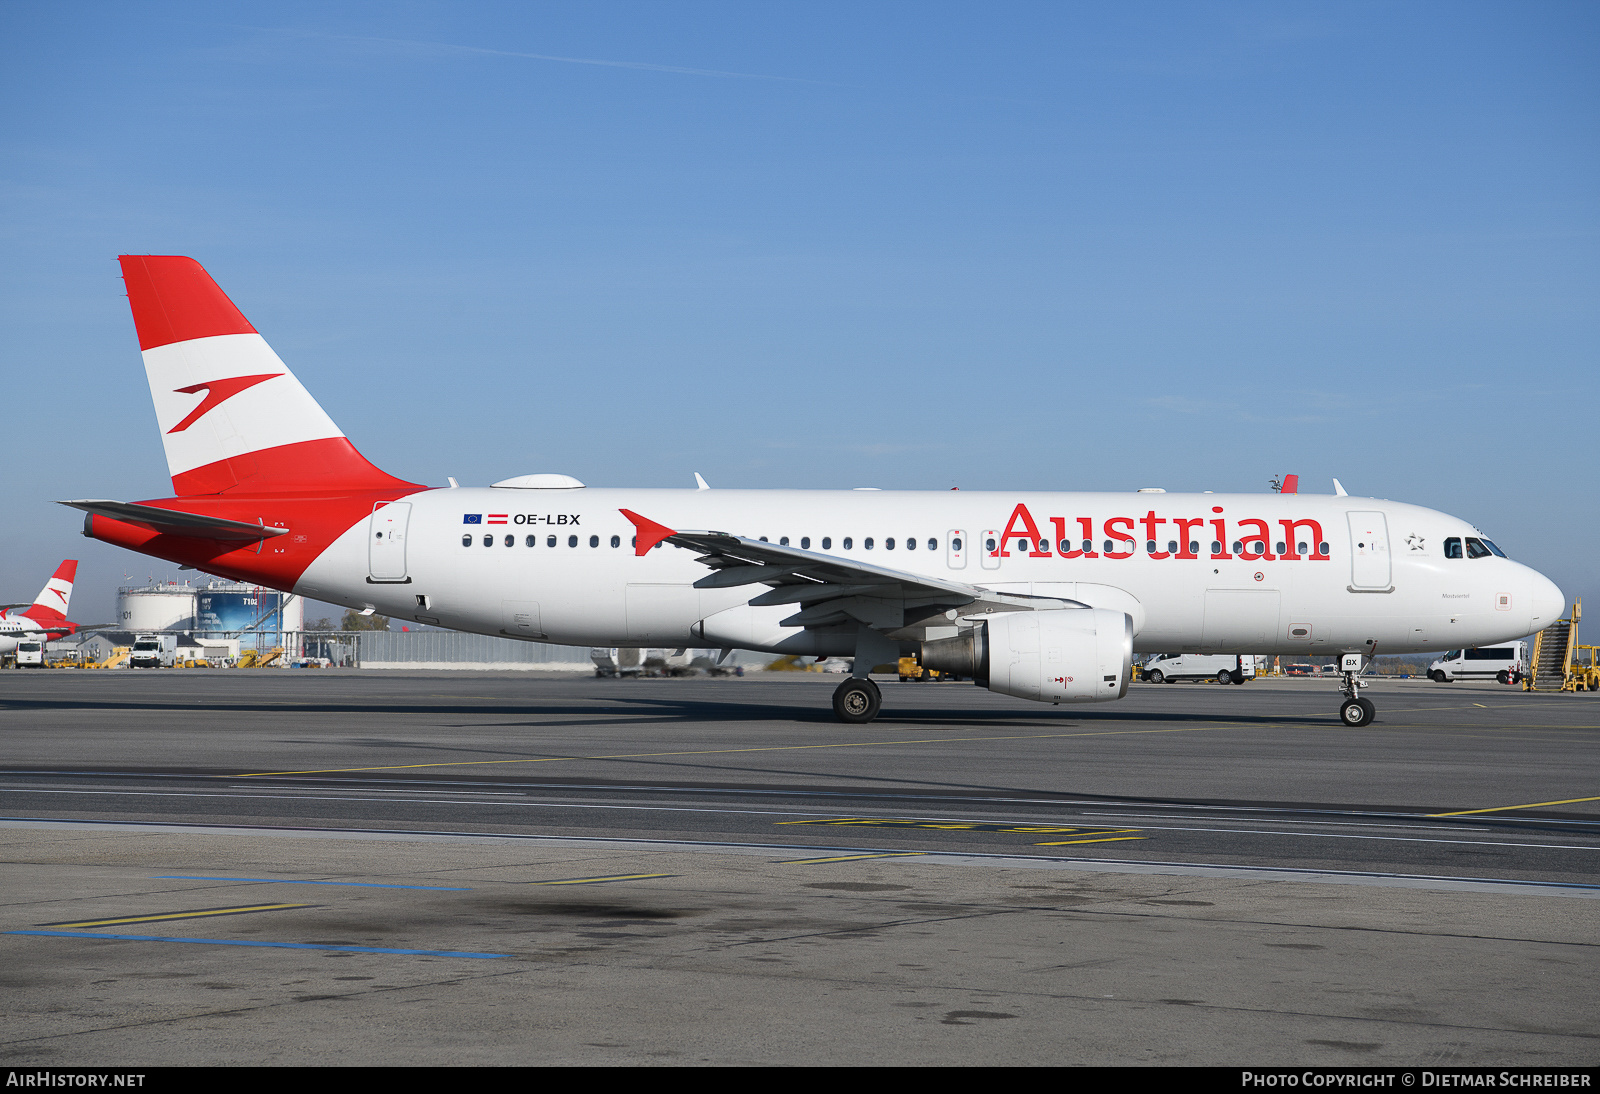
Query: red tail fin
[[232, 415], [52, 602]]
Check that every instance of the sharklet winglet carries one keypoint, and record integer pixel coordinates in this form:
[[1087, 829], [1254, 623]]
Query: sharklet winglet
[[649, 532]]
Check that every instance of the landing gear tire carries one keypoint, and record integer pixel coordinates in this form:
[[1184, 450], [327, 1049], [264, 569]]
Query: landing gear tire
[[1224, 677], [1155, 677], [857, 701], [1356, 713]]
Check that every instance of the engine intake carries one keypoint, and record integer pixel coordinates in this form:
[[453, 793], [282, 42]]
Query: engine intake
[[1062, 655]]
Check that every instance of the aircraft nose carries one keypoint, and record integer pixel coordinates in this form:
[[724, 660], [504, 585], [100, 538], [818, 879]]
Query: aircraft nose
[[1545, 598]]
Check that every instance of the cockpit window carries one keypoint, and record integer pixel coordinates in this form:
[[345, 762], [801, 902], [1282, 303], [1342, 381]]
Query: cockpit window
[[1476, 549], [1452, 547], [1489, 543]]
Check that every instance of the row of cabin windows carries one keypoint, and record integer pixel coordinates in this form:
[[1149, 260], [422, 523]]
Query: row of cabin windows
[[1024, 546], [549, 541], [848, 543], [1067, 546]]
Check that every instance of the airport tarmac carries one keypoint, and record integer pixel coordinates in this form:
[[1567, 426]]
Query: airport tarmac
[[313, 867]]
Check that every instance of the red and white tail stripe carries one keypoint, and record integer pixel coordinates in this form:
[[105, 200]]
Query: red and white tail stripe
[[52, 602], [231, 413]]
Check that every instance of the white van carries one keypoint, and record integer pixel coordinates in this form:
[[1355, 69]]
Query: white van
[[1507, 664], [30, 653], [1224, 668]]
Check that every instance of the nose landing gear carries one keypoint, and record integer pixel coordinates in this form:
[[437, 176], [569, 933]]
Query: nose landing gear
[[1354, 711]]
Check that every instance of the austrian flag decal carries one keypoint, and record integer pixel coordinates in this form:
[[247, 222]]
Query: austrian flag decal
[[499, 518]]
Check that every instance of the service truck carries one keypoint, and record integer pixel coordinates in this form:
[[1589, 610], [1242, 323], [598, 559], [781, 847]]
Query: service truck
[[154, 651]]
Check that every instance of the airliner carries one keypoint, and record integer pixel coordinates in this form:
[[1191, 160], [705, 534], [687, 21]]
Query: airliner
[[46, 617], [1036, 595]]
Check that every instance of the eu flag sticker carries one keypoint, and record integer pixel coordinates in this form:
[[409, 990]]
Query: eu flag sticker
[[471, 518]]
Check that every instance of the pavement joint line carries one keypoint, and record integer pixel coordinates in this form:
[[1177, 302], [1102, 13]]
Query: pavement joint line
[[1584, 890], [1103, 839], [722, 751], [847, 858], [263, 945], [297, 881], [195, 913], [599, 880], [1503, 808]]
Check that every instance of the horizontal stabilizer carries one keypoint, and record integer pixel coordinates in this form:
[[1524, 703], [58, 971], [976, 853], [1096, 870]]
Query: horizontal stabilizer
[[173, 523]]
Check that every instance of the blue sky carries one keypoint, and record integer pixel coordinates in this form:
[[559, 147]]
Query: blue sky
[[1042, 246]]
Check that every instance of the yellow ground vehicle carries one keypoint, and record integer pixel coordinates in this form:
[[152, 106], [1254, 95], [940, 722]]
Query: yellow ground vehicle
[[909, 669]]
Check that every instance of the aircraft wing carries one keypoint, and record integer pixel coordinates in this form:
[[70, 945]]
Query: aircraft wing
[[173, 522], [829, 589]]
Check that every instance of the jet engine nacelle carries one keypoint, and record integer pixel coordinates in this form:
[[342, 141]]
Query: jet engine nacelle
[[1062, 655]]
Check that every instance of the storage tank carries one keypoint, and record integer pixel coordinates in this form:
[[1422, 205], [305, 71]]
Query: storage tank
[[164, 607], [223, 606]]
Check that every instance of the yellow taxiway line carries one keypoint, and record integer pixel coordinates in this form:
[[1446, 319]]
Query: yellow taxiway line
[[200, 913], [1504, 808]]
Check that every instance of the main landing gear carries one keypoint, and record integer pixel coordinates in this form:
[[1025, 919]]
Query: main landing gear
[[857, 700], [1354, 711]]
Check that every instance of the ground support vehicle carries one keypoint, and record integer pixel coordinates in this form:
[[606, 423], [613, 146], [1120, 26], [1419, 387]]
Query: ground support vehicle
[[1224, 668], [1507, 663], [910, 668], [154, 651]]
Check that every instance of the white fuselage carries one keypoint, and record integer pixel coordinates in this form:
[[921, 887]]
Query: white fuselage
[[14, 628], [1384, 584]]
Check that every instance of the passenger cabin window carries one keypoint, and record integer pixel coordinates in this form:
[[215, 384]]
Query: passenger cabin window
[[594, 541], [783, 541], [511, 541], [616, 541], [867, 543], [572, 541], [888, 544], [1476, 549], [532, 541], [466, 541], [846, 543], [911, 543], [805, 543], [550, 541], [933, 544], [1452, 547], [827, 543], [488, 541]]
